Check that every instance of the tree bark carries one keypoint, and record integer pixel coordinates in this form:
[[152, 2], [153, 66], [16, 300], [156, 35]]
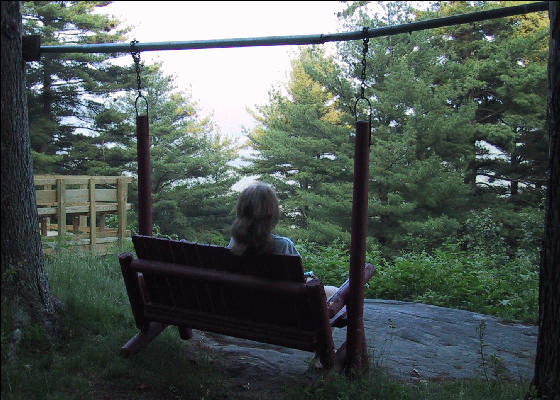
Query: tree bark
[[514, 183], [547, 363], [24, 280]]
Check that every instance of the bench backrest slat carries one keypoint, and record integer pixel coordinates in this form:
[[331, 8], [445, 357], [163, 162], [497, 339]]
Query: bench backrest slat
[[251, 302], [274, 267]]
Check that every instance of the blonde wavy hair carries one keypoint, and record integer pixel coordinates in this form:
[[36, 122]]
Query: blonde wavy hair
[[257, 215]]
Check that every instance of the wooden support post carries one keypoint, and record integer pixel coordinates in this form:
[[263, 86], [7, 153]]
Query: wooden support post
[[83, 218], [122, 192], [355, 337], [92, 216], [44, 226], [47, 218], [61, 210], [102, 221], [76, 224], [145, 226]]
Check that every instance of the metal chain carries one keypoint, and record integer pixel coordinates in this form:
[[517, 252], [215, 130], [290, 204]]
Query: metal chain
[[363, 83], [364, 55], [136, 58]]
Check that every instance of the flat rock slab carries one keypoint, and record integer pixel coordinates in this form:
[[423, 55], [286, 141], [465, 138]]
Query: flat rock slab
[[414, 340], [411, 341]]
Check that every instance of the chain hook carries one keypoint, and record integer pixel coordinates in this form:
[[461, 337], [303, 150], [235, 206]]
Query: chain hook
[[363, 81], [136, 57]]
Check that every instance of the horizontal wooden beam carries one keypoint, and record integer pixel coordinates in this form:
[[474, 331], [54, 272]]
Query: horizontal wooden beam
[[79, 179], [86, 241], [48, 197], [84, 232], [81, 209], [219, 277]]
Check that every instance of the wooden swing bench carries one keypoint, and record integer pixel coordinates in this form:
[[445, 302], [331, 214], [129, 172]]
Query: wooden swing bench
[[206, 287]]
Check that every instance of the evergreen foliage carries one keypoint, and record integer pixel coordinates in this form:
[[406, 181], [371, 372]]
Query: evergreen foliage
[[506, 61], [191, 169], [457, 128], [83, 122], [458, 134], [191, 166], [304, 144], [68, 94]]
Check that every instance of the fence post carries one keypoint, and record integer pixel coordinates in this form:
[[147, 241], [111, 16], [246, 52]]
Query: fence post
[[122, 192], [102, 221], [47, 218], [76, 224], [61, 210], [83, 218], [92, 227], [43, 225]]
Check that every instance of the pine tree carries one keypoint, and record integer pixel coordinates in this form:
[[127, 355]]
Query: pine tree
[[417, 196], [192, 173], [304, 147], [506, 63], [507, 57], [68, 93], [458, 95]]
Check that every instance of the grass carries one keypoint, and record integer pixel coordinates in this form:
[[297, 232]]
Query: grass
[[375, 384], [83, 362]]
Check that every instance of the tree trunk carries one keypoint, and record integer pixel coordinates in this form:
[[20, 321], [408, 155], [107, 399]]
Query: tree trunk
[[24, 280], [547, 363], [471, 170], [514, 183]]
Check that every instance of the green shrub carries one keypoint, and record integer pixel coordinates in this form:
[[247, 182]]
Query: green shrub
[[330, 264], [493, 284], [477, 282]]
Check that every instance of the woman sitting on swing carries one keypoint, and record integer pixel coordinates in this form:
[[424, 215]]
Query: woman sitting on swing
[[258, 213]]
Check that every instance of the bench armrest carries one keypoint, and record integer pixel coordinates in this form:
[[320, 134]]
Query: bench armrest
[[337, 302]]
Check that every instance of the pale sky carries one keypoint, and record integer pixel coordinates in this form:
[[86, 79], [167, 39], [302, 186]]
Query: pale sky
[[225, 81]]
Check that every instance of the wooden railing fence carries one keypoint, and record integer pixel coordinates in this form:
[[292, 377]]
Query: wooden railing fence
[[85, 201]]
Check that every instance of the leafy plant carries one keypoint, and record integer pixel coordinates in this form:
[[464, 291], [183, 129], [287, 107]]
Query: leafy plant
[[484, 283]]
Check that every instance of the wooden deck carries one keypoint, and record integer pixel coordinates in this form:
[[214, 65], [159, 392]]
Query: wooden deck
[[83, 203]]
